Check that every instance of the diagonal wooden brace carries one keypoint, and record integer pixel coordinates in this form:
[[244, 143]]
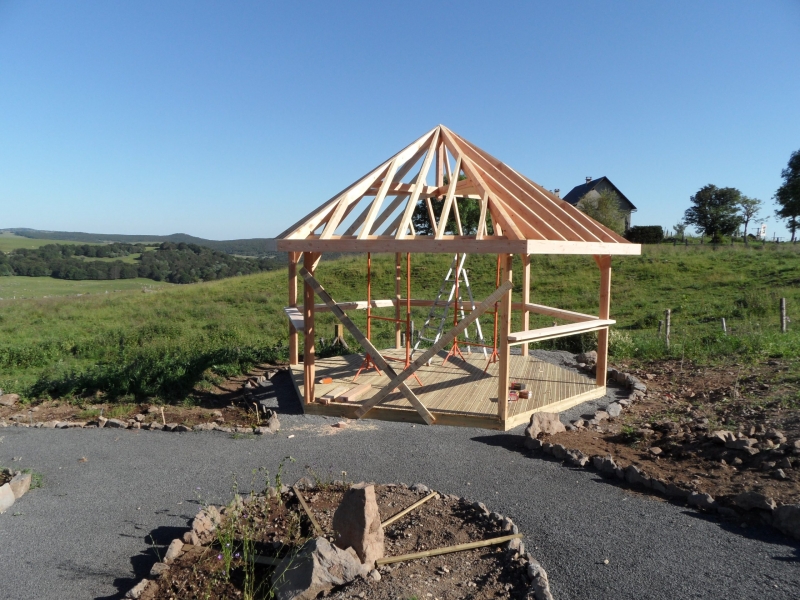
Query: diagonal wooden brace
[[367, 345], [431, 352]]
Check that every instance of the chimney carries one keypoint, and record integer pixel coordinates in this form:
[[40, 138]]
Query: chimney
[[557, 192], [588, 180]]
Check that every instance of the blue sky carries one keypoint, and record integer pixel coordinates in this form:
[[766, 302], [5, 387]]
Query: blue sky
[[234, 119]]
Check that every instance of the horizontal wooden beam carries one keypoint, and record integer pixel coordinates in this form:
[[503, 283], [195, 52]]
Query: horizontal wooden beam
[[295, 318], [548, 333], [452, 244], [550, 311], [558, 313]]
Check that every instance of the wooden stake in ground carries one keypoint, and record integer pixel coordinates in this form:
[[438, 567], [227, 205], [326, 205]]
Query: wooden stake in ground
[[163, 420], [405, 511], [667, 317], [784, 320], [724, 326], [446, 550], [317, 528]]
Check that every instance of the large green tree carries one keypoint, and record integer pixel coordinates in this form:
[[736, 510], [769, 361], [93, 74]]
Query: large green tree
[[788, 195], [715, 211], [750, 208], [603, 207]]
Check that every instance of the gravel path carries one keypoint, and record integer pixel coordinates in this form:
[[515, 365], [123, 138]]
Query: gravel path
[[86, 533]]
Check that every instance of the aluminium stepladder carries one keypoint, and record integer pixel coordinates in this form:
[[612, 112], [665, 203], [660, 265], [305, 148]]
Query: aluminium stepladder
[[438, 315]]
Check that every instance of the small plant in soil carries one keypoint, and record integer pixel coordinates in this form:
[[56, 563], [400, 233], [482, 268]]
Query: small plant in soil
[[273, 527]]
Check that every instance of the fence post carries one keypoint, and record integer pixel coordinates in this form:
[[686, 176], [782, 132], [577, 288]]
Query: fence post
[[724, 327], [667, 318], [783, 315]]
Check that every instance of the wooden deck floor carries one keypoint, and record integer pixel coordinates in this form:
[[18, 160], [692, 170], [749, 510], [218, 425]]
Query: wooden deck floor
[[457, 393]]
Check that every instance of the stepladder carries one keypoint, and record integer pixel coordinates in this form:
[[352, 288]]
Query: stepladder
[[451, 293]]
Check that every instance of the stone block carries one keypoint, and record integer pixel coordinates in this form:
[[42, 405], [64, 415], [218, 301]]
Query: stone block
[[20, 484], [6, 497], [357, 523]]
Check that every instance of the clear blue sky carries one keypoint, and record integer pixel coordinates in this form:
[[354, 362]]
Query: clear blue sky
[[233, 119]]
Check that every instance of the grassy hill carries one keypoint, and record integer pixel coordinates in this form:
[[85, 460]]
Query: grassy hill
[[163, 343], [244, 247]]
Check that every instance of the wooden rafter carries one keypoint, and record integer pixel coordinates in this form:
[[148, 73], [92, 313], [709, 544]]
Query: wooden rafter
[[376, 203], [519, 209], [448, 202], [418, 183]]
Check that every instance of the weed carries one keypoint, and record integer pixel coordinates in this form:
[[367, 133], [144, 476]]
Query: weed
[[37, 479], [279, 474], [319, 483], [631, 435], [88, 413]]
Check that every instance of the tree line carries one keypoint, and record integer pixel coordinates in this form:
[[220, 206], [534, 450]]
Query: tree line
[[714, 211], [174, 263]]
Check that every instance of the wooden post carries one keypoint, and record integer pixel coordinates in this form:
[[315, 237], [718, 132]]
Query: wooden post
[[724, 326], [667, 319], [397, 295], [310, 260], [526, 297], [504, 318], [784, 320], [293, 257], [604, 262]]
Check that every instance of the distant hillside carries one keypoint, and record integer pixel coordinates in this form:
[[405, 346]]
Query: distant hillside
[[169, 261], [264, 247]]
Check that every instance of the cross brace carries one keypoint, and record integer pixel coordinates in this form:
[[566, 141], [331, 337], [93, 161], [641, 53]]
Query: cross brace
[[397, 380], [367, 345]]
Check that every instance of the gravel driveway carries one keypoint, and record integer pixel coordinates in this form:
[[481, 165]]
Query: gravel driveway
[[87, 532]]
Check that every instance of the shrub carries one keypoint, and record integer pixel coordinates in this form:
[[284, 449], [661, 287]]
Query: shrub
[[645, 234]]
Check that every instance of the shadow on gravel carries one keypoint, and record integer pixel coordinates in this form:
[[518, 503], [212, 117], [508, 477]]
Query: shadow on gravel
[[508, 441], [761, 533], [279, 395], [159, 538]]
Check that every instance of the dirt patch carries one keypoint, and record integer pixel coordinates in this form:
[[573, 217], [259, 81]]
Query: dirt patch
[[227, 402], [684, 405], [280, 527]]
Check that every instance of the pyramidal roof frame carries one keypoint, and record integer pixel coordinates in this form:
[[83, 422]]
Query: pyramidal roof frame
[[525, 217]]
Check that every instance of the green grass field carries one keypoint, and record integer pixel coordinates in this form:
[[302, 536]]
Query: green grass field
[[10, 241], [40, 287], [161, 344]]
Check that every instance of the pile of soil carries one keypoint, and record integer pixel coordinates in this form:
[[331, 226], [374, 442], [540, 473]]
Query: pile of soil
[[684, 404], [280, 526]]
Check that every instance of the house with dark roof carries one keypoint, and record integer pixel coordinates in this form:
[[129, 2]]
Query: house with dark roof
[[593, 187]]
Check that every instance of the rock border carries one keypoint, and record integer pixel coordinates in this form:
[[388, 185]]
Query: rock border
[[785, 518], [15, 489], [272, 425], [202, 530]]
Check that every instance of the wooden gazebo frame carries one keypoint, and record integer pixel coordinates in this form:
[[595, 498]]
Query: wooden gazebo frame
[[526, 219]]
